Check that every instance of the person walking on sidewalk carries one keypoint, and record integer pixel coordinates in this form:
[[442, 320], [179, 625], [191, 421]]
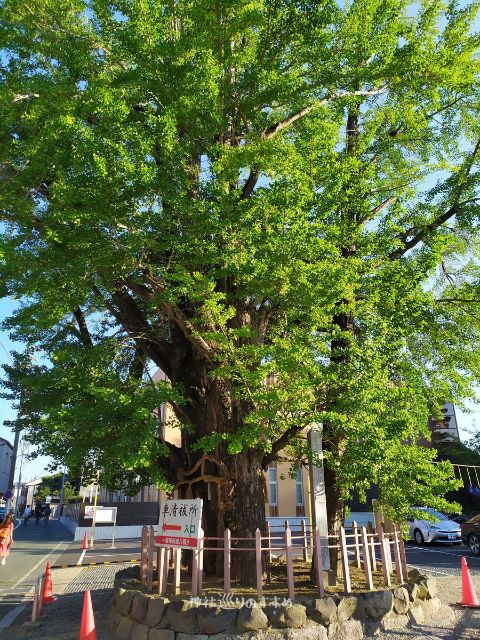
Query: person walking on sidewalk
[[38, 514], [47, 513], [26, 515], [6, 538]]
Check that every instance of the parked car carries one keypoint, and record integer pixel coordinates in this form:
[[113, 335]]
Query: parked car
[[471, 534], [426, 531]]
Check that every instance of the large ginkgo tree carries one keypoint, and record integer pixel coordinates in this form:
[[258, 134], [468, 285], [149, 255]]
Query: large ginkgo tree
[[275, 202]]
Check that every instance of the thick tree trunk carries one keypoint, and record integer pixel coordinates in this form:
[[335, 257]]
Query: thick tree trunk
[[335, 513], [247, 512]]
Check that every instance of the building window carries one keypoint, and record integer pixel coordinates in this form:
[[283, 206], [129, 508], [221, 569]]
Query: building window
[[300, 506], [273, 489]]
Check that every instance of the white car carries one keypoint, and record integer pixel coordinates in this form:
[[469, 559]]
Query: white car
[[426, 531]]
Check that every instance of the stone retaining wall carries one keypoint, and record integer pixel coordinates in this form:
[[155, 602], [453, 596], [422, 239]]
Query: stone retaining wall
[[135, 615]]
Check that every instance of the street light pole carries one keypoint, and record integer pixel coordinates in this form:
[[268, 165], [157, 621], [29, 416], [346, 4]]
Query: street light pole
[[24, 444], [62, 493]]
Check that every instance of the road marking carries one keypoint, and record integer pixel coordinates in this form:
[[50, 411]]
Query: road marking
[[12, 615], [446, 553], [37, 565], [80, 560]]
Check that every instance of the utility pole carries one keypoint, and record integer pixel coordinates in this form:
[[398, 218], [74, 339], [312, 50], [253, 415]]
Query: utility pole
[[62, 493]]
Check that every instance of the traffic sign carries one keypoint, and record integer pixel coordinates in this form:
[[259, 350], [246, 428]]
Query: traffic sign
[[180, 522]]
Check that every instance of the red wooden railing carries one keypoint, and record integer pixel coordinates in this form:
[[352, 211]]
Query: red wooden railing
[[358, 543]]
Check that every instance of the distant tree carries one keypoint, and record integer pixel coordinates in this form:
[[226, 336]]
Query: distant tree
[[242, 192], [52, 486]]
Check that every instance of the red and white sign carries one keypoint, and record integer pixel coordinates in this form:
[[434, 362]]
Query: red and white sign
[[179, 523]]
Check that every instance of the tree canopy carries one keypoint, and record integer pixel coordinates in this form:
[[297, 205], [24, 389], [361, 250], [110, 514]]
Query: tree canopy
[[275, 202]]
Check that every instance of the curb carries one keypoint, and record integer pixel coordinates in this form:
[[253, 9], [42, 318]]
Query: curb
[[98, 564]]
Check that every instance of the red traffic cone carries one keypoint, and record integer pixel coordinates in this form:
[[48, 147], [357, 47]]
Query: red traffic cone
[[469, 597], [87, 628], [85, 541], [47, 595]]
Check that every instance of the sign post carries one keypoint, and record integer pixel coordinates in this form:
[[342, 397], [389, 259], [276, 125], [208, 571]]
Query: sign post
[[179, 523], [318, 499]]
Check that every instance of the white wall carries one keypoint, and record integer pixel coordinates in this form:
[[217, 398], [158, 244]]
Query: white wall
[[6, 453]]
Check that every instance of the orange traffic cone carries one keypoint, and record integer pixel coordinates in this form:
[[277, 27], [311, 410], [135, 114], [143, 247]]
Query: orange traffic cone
[[87, 628], [469, 597], [47, 585], [85, 541]]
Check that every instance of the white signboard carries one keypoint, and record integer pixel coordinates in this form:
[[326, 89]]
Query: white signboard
[[48, 499], [106, 514], [179, 524]]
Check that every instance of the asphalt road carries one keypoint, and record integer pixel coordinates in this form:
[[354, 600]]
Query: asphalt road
[[32, 547], [441, 559]]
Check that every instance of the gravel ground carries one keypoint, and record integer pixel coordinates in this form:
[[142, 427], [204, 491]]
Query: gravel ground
[[61, 619], [465, 626]]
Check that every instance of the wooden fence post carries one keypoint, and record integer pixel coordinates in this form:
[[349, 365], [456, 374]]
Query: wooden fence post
[[160, 560], [357, 546], [227, 546], [374, 556], [177, 562], [143, 556], [366, 559], [398, 560], [195, 570], [269, 540], [317, 550], [166, 563], [289, 558], [304, 541], [344, 556], [258, 562], [201, 544], [383, 553], [403, 555], [151, 539]]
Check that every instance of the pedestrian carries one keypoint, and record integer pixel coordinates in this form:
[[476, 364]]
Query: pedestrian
[[38, 514], [6, 537], [47, 513], [26, 515]]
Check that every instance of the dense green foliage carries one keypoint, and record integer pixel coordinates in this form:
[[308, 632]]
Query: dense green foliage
[[52, 486], [235, 191]]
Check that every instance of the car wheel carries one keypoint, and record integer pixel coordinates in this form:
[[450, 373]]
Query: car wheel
[[474, 544], [418, 536]]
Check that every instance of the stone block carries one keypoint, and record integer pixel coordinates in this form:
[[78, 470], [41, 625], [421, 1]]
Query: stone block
[[139, 607], [314, 632], [124, 628], [349, 607], [413, 592], [251, 618], [292, 616], [124, 601], [187, 636], [113, 619], [394, 621], [181, 615], [323, 610], [138, 632], [371, 628], [413, 574], [156, 610], [213, 620], [416, 614], [431, 607], [401, 600], [347, 630], [376, 605], [161, 634]]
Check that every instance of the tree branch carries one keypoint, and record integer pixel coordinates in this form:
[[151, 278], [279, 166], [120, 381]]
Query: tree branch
[[280, 444], [85, 336]]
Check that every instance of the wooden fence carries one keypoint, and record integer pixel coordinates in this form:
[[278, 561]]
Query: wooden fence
[[356, 547]]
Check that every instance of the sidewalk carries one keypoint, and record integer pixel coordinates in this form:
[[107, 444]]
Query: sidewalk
[[60, 620]]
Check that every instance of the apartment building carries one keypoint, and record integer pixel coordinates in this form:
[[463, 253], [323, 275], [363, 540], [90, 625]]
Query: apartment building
[[6, 460]]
